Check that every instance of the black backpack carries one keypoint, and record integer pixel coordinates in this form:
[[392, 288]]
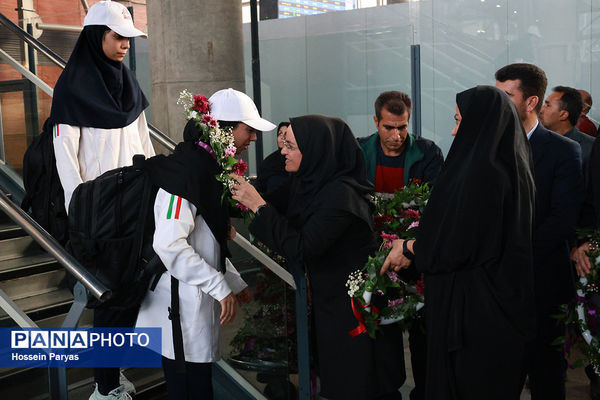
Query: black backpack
[[111, 224], [111, 228], [44, 198]]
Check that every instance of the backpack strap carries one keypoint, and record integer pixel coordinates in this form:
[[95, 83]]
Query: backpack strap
[[175, 318]]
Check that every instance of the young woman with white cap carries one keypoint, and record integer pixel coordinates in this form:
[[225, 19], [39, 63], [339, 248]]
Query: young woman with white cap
[[192, 228], [99, 124]]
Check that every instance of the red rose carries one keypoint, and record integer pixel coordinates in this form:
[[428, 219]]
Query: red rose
[[201, 104], [416, 181], [420, 286], [240, 167], [381, 220], [410, 213]]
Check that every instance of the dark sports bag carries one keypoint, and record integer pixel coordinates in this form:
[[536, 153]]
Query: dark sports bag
[[111, 224], [44, 198], [111, 227]]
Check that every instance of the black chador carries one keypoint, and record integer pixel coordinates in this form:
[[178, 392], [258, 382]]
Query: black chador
[[474, 246], [328, 228]]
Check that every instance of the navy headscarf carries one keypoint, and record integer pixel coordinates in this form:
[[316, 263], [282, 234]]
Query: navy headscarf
[[94, 91]]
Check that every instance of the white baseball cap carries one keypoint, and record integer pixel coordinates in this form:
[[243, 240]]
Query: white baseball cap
[[114, 15], [231, 105]]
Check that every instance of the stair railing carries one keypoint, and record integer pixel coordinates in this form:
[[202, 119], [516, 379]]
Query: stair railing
[[57, 381]]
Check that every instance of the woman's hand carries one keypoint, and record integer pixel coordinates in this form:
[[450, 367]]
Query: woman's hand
[[246, 194], [396, 259], [582, 262], [232, 233], [228, 305]]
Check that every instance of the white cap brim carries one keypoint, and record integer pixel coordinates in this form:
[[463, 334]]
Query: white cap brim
[[128, 32], [260, 124]]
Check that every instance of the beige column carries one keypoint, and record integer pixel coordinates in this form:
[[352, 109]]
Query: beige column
[[194, 45]]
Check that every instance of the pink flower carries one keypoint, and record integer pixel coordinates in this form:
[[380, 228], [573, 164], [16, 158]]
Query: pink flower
[[213, 123], [410, 213], [388, 239], [413, 225], [392, 303], [230, 151], [206, 118], [591, 311], [379, 291], [242, 207], [392, 275], [240, 167], [201, 104]]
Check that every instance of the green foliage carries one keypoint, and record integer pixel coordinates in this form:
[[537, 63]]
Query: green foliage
[[568, 313]]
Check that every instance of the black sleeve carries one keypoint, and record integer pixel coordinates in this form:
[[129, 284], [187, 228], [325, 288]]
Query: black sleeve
[[317, 235]]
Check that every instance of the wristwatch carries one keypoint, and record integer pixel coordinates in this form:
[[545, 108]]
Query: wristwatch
[[406, 252], [259, 208]]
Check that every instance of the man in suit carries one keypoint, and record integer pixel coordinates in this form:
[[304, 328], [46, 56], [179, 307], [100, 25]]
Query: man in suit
[[559, 191], [559, 114], [590, 218]]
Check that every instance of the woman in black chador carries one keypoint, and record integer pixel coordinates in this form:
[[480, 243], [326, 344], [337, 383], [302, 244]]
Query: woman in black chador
[[474, 246], [328, 228]]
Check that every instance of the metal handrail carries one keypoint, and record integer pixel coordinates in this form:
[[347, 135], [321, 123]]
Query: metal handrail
[[157, 135], [161, 137], [39, 234], [39, 46]]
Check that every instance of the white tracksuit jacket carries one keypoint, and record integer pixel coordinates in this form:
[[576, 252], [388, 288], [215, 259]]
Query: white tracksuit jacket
[[187, 247], [83, 153]]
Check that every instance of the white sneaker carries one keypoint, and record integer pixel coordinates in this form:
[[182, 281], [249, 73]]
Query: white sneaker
[[126, 383], [115, 394]]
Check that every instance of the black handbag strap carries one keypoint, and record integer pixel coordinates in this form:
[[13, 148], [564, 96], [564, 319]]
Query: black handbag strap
[[175, 318]]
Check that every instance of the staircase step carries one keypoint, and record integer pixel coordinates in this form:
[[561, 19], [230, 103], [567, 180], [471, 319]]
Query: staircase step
[[41, 306], [32, 285], [27, 265], [32, 383], [18, 247], [9, 230]]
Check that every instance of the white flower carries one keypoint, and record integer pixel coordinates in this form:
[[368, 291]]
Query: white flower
[[355, 283], [186, 99]]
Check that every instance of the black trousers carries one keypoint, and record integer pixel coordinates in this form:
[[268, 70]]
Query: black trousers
[[417, 341], [546, 368], [546, 364], [193, 384], [108, 378]]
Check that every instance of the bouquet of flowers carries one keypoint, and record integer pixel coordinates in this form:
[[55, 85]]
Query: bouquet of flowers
[[581, 315], [399, 213], [217, 142], [384, 299], [398, 301]]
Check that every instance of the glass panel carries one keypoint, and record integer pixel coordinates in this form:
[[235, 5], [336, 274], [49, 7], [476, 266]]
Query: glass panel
[[334, 64], [261, 343]]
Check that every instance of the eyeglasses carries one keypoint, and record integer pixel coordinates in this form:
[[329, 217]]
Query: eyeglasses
[[288, 145]]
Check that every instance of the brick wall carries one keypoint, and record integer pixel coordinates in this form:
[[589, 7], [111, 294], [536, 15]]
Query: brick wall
[[63, 12]]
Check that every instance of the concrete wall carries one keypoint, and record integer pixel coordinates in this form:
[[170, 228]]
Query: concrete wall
[[199, 48]]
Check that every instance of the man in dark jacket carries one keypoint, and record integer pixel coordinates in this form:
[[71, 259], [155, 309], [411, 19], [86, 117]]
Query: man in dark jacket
[[589, 218], [394, 157], [559, 191]]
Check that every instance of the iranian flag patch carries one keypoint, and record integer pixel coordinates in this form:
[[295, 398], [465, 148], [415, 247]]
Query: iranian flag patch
[[175, 202]]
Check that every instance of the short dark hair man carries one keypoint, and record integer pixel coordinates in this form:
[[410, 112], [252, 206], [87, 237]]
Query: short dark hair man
[[560, 113], [393, 156], [559, 189], [585, 124]]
